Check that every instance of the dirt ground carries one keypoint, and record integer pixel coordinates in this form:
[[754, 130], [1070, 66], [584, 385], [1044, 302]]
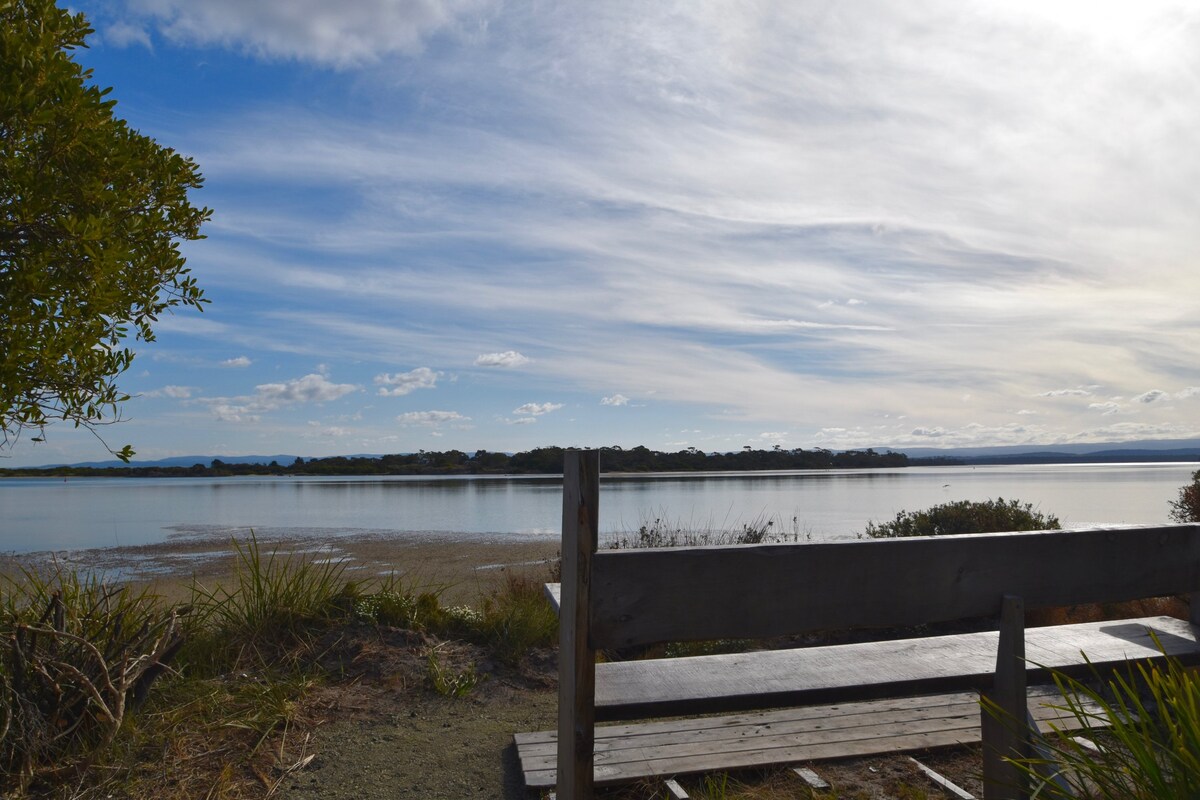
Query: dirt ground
[[376, 729]]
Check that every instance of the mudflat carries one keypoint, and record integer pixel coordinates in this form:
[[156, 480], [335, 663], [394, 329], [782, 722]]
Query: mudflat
[[464, 569]]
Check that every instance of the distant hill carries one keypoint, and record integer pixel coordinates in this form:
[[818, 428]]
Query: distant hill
[[1097, 452], [179, 461]]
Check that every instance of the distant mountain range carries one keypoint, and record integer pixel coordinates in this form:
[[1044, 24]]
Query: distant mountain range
[[1108, 452]]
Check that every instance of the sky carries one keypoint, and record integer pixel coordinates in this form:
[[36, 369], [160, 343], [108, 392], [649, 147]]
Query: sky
[[476, 224]]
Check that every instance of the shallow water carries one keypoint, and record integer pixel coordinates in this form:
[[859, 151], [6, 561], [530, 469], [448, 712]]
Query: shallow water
[[39, 514]]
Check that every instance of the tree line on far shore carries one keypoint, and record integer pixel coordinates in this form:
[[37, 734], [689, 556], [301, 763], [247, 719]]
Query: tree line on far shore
[[541, 460]]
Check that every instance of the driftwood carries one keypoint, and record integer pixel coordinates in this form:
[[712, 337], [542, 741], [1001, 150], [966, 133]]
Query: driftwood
[[68, 679]]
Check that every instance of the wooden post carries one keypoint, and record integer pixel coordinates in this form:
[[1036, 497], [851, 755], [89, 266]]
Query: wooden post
[[576, 658], [1004, 719]]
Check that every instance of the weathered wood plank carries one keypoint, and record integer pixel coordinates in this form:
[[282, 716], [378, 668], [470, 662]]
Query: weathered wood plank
[[853, 672], [644, 596], [942, 781], [810, 777], [577, 658], [1003, 721], [553, 593], [625, 755]]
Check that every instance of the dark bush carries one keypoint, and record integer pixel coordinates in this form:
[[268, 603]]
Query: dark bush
[[1187, 507], [965, 516]]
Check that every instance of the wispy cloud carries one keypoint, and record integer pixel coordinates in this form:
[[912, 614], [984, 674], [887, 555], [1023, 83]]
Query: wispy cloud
[[431, 418], [341, 36], [614, 400], [537, 409], [239, 361], [402, 383], [312, 388], [509, 358]]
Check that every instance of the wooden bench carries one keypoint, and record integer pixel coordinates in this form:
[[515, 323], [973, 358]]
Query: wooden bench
[[617, 599]]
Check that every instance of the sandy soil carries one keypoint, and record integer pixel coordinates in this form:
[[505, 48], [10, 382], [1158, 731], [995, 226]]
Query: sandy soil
[[375, 728]]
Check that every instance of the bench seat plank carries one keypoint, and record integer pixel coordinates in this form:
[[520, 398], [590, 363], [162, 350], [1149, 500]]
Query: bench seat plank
[[775, 678], [663, 749]]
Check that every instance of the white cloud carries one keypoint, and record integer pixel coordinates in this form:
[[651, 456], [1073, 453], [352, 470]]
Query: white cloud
[[1152, 396], [124, 34], [431, 418], [1067, 393], [774, 436], [615, 400], [334, 34], [521, 421], [273, 396], [311, 388], [177, 392], [537, 409], [933, 433], [1105, 409], [509, 358], [403, 383], [240, 361], [1191, 391]]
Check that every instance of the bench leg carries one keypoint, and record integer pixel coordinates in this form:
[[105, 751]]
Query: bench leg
[[1005, 711], [576, 658]]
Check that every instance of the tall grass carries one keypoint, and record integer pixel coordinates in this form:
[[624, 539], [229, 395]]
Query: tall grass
[[662, 532], [1148, 722], [272, 601]]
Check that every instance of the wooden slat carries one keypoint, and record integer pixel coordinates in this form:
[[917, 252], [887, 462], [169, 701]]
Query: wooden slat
[[624, 755], [759, 591], [810, 777], [776, 678], [942, 781], [553, 593]]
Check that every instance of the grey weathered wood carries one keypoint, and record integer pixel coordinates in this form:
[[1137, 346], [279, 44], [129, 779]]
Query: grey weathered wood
[[1003, 720], [664, 748], [675, 790], [810, 777], [553, 593], [626, 598], [943, 781], [852, 672], [577, 657], [759, 591]]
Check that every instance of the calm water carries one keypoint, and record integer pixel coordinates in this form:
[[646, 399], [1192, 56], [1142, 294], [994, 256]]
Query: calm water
[[43, 514]]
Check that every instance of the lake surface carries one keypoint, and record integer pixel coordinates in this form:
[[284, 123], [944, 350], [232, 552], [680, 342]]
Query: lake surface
[[38, 514]]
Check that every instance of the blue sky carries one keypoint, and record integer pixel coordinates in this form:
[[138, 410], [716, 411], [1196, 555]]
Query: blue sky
[[471, 224]]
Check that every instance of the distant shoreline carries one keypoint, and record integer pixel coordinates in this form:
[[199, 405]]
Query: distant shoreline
[[540, 461]]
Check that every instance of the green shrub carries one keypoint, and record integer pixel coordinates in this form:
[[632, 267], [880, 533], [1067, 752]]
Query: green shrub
[[1187, 507], [965, 516]]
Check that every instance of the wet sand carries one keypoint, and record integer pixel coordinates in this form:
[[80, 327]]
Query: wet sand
[[465, 569]]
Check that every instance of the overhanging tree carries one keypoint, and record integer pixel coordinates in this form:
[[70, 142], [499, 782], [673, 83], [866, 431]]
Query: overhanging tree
[[91, 217]]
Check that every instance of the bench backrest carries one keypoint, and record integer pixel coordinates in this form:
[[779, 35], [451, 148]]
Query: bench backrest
[[638, 597], [760, 591]]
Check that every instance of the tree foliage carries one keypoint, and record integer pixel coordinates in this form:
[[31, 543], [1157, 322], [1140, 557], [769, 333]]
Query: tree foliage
[[965, 516], [91, 216], [1187, 507]]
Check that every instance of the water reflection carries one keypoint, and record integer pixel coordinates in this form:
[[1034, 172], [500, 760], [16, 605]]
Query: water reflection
[[40, 514]]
